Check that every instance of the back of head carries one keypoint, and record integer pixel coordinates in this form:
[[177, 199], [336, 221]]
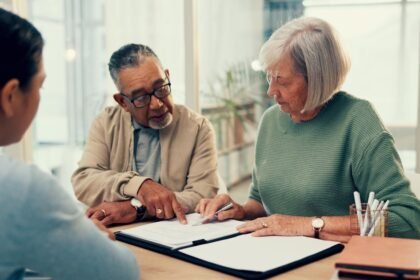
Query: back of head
[[131, 55], [20, 49], [317, 54]]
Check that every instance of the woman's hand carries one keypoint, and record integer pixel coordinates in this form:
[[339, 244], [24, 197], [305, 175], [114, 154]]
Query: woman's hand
[[279, 225], [208, 207]]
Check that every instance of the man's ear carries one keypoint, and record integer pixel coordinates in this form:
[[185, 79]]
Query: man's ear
[[120, 100], [8, 96]]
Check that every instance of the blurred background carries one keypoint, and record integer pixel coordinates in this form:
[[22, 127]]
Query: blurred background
[[211, 49]]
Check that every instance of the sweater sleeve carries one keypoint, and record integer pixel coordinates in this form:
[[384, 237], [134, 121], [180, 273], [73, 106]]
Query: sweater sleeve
[[379, 169], [60, 242], [95, 181], [202, 174], [254, 191]]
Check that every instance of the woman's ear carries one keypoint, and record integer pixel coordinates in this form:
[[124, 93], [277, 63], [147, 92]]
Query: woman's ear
[[8, 96]]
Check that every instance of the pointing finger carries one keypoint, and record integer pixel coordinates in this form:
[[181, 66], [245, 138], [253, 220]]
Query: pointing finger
[[179, 213]]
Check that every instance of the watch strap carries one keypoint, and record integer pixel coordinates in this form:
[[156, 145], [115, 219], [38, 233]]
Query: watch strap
[[140, 209], [316, 232]]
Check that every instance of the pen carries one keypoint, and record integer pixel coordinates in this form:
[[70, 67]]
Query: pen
[[381, 208], [223, 208], [368, 221], [371, 198], [358, 205], [367, 212]]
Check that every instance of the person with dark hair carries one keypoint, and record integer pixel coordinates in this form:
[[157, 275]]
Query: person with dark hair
[[317, 146], [146, 154], [42, 227]]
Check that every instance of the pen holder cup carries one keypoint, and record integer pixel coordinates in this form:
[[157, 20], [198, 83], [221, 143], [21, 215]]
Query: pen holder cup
[[374, 222]]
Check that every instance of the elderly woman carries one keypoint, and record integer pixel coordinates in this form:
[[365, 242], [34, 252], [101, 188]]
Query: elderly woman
[[317, 146], [42, 227]]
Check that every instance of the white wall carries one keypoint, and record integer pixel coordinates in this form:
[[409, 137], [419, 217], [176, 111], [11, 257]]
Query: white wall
[[158, 24]]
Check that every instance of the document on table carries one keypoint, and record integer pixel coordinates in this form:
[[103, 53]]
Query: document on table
[[175, 235], [258, 254]]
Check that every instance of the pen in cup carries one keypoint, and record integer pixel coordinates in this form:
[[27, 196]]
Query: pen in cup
[[380, 210], [366, 219], [358, 204], [204, 219], [370, 213]]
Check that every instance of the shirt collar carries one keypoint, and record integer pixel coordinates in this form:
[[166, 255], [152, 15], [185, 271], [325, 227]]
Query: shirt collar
[[136, 125], [139, 127]]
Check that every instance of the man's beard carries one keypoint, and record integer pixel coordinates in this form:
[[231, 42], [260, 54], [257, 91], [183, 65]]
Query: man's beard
[[161, 123]]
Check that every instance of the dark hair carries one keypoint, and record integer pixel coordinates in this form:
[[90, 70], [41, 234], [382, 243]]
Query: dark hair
[[128, 56], [20, 49]]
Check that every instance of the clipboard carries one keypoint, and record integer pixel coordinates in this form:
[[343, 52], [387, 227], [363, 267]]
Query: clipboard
[[385, 257], [184, 253]]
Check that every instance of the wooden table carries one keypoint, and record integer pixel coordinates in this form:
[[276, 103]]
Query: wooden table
[[158, 266]]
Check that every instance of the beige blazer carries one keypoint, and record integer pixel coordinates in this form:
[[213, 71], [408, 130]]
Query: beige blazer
[[188, 159]]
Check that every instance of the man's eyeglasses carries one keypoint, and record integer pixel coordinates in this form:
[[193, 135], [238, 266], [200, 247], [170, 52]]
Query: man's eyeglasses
[[144, 100]]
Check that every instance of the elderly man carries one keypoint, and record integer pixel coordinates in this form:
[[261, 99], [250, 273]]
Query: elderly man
[[146, 154]]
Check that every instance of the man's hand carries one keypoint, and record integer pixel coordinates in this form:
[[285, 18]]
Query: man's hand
[[108, 213], [160, 202]]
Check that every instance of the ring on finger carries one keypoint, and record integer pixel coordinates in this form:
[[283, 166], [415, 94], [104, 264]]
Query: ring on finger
[[264, 225], [159, 211], [103, 212]]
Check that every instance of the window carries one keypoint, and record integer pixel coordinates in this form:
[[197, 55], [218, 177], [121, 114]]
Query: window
[[231, 86], [80, 37], [384, 50]]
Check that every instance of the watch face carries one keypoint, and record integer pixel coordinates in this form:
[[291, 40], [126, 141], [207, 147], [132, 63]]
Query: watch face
[[317, 223], [136, 203]]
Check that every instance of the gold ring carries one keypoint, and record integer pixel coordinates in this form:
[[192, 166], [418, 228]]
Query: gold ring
[[103, 212], [264, 224], [158, 211]]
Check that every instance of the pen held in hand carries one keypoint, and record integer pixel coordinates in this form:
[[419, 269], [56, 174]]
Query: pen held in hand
[[209, 218]]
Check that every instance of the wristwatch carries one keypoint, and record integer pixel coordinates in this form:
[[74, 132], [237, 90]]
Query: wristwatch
[[317, 223], [140, 209]]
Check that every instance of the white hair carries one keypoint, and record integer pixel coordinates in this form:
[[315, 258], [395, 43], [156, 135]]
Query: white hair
[[316, 51]]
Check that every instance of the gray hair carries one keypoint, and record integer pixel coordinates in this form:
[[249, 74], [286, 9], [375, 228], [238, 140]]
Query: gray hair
[[131, 55], [316, 51]]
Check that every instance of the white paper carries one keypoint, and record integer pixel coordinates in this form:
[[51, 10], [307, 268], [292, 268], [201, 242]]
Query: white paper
[[174, 234], [258, 253]]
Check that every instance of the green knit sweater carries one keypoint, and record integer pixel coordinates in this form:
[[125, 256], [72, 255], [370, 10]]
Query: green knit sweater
[[312, 168]]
